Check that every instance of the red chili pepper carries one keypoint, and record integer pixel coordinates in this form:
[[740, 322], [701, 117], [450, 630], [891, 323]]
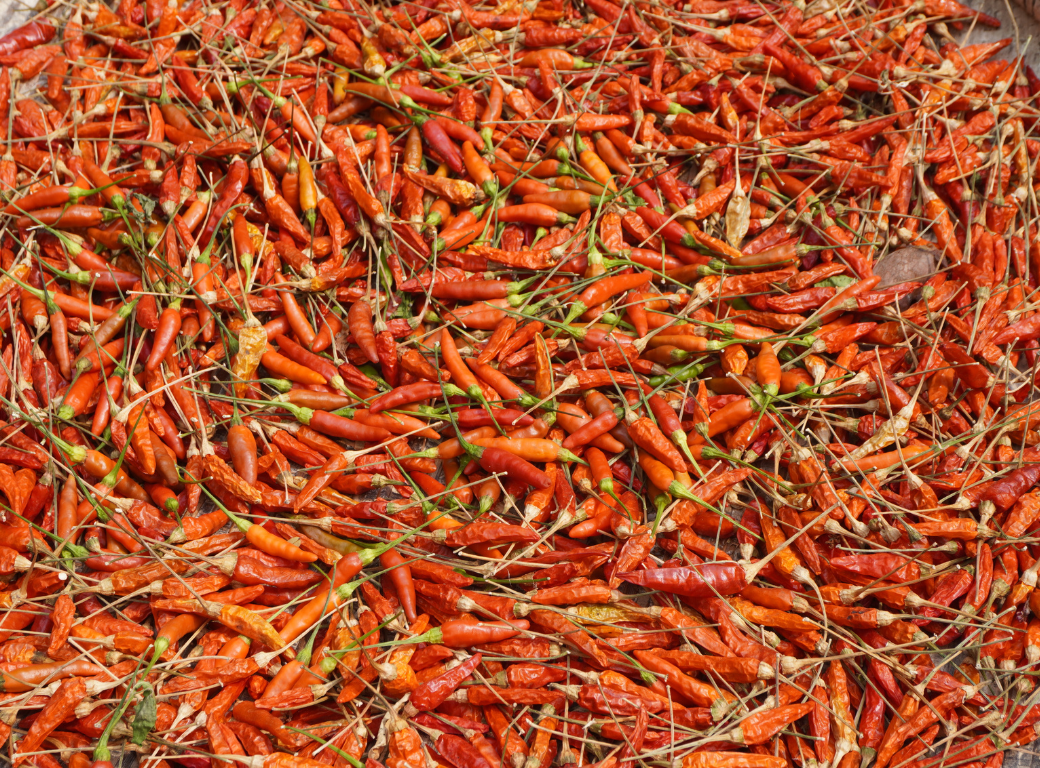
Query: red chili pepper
[[462, 634], [701, 581]]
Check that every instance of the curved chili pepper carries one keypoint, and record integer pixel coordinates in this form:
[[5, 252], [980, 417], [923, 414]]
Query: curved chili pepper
[[232, 187]]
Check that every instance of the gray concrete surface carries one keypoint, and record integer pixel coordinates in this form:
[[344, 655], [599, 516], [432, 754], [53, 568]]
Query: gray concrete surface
[[10, 12]]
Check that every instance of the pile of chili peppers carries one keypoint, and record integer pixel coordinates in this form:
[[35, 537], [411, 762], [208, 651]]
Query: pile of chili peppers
[[479, 386]]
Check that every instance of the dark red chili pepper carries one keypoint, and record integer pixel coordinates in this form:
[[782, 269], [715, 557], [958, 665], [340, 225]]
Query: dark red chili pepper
[[704, 580]]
